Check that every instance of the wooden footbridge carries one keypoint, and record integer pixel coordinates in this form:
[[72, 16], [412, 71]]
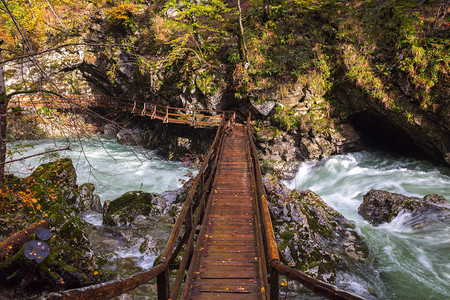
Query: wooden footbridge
[[224, 230]]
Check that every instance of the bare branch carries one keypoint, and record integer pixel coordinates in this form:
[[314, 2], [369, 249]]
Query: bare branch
[[33, 92], [56, 16], [37, 154], [63, 46]]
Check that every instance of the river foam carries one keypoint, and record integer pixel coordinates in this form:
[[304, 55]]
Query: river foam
[[112, 167], [412, 251]]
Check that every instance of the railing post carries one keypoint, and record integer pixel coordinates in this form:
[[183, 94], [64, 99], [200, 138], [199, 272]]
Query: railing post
[[188, 220], [154, 112], [166, 118], [162, 282], [274, 284], [189, 227], [193, 119]]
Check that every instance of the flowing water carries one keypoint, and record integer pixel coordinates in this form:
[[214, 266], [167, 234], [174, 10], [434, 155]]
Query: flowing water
[[114, 169], [412, 252], [414, 260]]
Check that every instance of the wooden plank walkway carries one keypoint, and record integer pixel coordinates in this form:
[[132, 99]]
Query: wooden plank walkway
[[226, 263], [166, 114]]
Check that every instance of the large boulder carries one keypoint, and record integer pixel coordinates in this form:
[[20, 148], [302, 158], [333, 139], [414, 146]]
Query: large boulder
[[87, 200], [59, 173], [381, 206], [129, 136], [315, 238], [56, 178], [283, 152], [110, 130], [278, 153], [125, 209], [50, 194]]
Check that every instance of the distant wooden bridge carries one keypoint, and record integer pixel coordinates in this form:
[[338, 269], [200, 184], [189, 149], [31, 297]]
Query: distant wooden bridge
[[224, 229], [167, 114]]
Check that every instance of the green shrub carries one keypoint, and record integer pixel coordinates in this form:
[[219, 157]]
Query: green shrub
[[122, 17]]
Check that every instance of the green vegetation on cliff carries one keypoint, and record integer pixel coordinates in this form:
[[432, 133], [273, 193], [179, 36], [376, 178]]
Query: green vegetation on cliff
[[321, 62]]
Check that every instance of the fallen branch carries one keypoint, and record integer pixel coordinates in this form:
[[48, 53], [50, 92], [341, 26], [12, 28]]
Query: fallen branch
[[15, 241], [56, 16], [37, 154], [110, 289], [63, 46]]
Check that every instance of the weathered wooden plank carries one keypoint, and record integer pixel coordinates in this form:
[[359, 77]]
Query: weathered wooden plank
[[223, 296], [227, 247], [241, 286], [224, 271], [229, 229], [227, 256], [231, 281]]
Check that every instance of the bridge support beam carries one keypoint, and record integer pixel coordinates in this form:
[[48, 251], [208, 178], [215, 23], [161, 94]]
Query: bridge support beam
[[162, 282], [274, 284]]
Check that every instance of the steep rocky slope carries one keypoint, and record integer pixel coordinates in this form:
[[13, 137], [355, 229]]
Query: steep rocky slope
[[319, 77]]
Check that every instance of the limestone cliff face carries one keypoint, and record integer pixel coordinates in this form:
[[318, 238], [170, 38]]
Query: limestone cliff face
[[317, 81]]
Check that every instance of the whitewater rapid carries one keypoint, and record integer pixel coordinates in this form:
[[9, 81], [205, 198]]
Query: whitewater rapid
[[113, 168], [414, 260]]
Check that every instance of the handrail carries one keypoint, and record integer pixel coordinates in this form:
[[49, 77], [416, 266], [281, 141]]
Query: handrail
[[131, 105], [317, 286], [160, 271]]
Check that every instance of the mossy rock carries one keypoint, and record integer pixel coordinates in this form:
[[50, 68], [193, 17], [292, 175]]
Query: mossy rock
[[87, 200], [123, 210], [56, 180], [312, 236], [47, 194], [57, 173], [381, 206]]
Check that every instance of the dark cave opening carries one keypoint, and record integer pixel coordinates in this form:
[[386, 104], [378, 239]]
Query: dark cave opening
[[378, 133]]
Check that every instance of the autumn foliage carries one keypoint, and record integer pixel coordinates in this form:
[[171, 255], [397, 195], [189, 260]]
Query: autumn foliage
[[39, 20], [47, 194]]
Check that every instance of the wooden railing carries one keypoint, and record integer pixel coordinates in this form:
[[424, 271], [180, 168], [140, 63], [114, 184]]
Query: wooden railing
[[270, 245], [189, 217], [193, 210], [168, 114]]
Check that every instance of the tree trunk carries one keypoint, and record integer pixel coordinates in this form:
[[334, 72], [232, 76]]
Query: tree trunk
[[243, 47], [3, 107]]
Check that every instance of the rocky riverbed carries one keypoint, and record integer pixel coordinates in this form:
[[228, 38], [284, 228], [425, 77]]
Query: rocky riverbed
[[312, 236], [382, 207]]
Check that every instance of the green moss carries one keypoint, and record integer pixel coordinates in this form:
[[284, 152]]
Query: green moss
[[285, 118], [157, 260], [173, 211], [287, 236], [124, 209], [45, 195]]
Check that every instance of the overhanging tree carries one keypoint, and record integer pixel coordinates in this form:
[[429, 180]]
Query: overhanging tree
[[21, 43], [3, 108]]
